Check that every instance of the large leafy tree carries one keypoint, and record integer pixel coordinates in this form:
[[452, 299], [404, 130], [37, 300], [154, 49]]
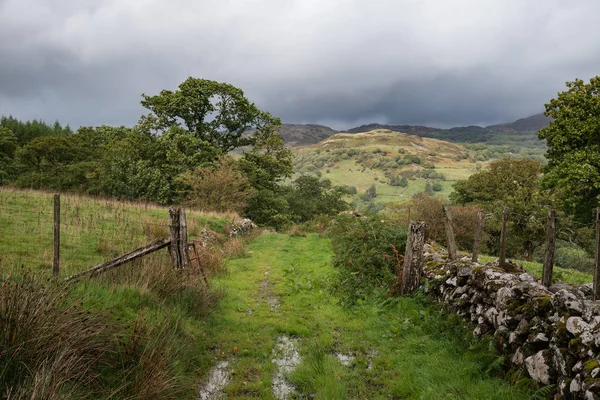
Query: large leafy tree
[[573, 139], [215, 113], [512, 183]]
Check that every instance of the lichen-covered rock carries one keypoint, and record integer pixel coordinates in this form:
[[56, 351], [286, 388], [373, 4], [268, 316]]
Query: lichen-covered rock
[[576, 325], [539, 367], [552, 333], [566, 301]]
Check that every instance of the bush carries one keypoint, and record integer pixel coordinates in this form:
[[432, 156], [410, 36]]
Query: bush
[[363, 254], [223, 188], [574, 258]]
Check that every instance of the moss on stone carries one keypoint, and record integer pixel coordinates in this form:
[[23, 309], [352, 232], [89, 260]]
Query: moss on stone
[[589, 365]]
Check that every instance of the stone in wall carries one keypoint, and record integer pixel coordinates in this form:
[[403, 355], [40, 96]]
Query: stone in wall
[[552, 333]]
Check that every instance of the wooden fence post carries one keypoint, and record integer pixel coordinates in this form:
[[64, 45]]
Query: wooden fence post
[[502, 254], [174, 230], [449, 233], [550, 245], [597, 263], [477, 238], [183, 240], [56, 252], [413, 257], [178, 248]]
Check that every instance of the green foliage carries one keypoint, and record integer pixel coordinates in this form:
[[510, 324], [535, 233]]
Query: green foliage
[[363, 254], [8, 146], [512, 183], [309, 196], [220, 188], [215, 113], [573, 139], [29, 130]]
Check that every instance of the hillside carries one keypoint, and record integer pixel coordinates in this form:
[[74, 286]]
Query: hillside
[[399, 165], [301, 135], [529, 124], [521, 132]]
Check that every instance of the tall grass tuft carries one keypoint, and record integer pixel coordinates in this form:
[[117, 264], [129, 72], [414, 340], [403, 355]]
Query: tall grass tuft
[[48, 349]]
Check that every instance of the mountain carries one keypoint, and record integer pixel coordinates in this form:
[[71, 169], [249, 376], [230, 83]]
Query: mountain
[[302, 135], [520, 132], [409, 129], [530, 124]]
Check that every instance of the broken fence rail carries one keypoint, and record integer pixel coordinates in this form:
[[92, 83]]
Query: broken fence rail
[[125, 258]]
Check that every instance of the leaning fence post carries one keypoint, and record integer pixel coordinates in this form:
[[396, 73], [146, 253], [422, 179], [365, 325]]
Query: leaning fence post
[[550, 245], [56, 252], [413, 257], [502, 254], [449, 233], [597, 263], [477, 238], [174, 230]]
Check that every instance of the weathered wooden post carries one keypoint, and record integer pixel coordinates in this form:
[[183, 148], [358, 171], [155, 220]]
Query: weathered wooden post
[[477, 238], [413, 257], [502, 254], [550, 245], [183, 240], [56, 252], [597, 263], [178, 248], [449, 233], [174, 230]]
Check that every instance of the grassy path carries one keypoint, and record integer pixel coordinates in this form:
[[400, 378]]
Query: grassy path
[[280, 330]]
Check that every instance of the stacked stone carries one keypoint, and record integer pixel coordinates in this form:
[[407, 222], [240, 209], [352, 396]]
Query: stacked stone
[[552, 333], [241, 228]]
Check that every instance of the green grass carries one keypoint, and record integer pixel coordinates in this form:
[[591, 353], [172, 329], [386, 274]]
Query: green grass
[[92, 230], [413, 349], [558, 274]]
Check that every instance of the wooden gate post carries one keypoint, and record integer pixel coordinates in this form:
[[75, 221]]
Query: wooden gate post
[[502, 254], [550, 245], [174, 231], [183, 240], [178, 248], [56, 252], [413, 257], [477, 238], [597, 263], [449, 233]]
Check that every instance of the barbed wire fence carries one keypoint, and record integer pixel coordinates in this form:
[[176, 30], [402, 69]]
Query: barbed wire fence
[[69, 235]]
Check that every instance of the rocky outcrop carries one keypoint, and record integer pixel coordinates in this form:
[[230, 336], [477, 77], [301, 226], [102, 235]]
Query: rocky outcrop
[[552, 333]]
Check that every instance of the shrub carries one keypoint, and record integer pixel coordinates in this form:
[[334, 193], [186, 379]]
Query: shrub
[[363, 255], [223, 188]]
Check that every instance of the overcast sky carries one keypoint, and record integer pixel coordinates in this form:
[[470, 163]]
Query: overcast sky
[[337, 62]]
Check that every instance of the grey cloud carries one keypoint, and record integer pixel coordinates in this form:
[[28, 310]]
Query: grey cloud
[[431, 62]]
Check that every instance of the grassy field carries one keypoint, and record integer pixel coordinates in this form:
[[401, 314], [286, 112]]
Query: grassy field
[[380, 349], [558, 274], [92, 230]]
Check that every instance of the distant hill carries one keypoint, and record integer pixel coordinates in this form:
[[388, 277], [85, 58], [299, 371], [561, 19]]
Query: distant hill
[[520, 132], [529, 124], [302, 135], [409, 129]]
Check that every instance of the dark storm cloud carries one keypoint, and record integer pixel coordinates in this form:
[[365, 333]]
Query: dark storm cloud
[[341, 62]]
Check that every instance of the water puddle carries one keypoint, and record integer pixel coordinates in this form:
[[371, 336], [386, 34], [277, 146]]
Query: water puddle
[[287, 358], [219, 378]]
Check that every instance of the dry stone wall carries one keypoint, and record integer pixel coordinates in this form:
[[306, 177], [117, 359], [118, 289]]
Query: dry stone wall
[[551, 332]]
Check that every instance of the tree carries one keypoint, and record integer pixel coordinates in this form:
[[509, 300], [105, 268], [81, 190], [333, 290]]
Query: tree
[[515, 184], [311, 196], [573, 140], [215, 113], [8, 146]]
